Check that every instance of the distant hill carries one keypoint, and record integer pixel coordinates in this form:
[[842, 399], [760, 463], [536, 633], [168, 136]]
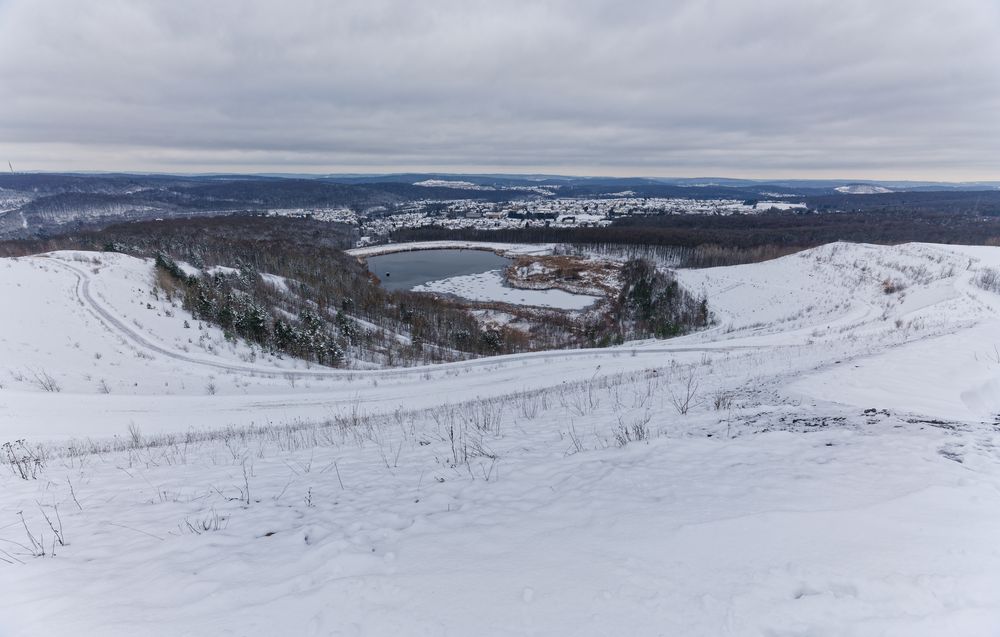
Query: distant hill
[[862, 189], [41, 204]]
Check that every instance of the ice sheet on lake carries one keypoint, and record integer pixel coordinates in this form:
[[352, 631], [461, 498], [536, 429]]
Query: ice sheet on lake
[[489, 286]]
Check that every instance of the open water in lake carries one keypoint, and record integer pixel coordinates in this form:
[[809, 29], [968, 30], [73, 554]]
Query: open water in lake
[[406, 270]]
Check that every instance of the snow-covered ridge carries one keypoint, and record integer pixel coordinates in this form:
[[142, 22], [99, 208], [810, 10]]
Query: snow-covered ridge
[[862, 189], [444, 183], [468, 185]]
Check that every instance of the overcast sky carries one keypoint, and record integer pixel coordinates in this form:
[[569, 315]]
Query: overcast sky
[[768, 88]]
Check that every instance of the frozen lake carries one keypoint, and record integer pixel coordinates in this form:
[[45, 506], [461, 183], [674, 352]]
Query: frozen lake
[[476, 275]]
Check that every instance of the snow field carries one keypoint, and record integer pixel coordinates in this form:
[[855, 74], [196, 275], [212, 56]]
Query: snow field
[[822, 461], [528, 514]]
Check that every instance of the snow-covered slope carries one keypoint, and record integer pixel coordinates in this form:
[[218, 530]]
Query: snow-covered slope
[[927, 346], [82, 318], [822, 461]]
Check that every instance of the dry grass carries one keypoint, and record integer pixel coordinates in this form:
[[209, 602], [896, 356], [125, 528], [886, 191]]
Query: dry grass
[[570, 273]]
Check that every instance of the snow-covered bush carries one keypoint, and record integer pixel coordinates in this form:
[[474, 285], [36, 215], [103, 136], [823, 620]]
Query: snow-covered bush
[[988, 279]]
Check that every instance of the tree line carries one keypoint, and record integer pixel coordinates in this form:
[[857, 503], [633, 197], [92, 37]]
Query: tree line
[[710, 240]]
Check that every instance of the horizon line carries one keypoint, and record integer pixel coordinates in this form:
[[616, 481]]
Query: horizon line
[[320, 174]]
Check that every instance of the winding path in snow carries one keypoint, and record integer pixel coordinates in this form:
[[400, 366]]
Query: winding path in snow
[[115, 324]]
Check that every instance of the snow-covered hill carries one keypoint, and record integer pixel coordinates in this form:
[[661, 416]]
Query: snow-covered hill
[[862, 189], [822, 461]]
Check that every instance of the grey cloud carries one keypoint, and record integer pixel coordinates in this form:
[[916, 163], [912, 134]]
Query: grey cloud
[[892, 89]]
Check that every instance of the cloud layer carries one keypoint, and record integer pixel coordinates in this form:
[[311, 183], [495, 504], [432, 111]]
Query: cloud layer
[[691, 87]]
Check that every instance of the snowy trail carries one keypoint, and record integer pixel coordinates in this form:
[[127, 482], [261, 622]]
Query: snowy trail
[[40, 415], [114, 323]]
